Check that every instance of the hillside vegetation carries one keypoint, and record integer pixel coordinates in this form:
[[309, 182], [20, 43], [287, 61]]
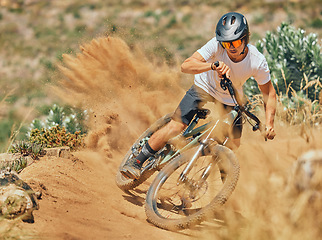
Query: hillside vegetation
[[35, 34]]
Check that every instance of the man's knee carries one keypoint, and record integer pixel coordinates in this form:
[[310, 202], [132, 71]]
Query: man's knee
[[174, 127], [159, 138]]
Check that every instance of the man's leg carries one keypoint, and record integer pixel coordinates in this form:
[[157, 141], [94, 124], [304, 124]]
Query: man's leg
[[180, 120], [132, 169], [162, 136]]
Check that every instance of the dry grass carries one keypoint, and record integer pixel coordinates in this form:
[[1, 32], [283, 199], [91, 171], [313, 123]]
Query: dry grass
[[299, 109]]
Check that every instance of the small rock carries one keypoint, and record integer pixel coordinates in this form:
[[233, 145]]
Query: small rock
[[307, 172], [63, 152], [17, 199]]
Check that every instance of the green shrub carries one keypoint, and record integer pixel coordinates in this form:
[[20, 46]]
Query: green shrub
[[298, 109], [294, 60], [164, 53], [62, 127], [258, 19], [172, 22], [73, 120], [316, 23], [26, 148], [251, 88], [49, 65]]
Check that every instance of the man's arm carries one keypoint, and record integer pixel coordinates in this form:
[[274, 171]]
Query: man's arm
[[269, 96], [197, 64]]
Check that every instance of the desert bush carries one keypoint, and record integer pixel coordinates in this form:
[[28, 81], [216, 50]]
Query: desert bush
[[26, 148], [294, 60], [56, 136], [316, 23]]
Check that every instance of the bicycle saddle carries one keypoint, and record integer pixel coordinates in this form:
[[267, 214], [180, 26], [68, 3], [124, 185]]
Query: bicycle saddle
[[202, 113]]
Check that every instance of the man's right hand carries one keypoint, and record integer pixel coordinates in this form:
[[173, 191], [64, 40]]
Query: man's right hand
[[222, 69]]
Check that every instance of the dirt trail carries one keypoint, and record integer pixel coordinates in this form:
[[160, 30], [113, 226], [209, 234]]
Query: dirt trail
[[81, 201], [124, 94]]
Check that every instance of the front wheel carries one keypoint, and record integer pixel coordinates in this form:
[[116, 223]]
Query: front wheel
[[175, 205]]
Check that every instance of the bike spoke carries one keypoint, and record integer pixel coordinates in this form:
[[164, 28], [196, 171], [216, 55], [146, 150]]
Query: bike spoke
[[176, 200]]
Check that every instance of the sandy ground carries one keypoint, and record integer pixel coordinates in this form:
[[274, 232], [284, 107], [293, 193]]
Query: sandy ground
[[81, 201]]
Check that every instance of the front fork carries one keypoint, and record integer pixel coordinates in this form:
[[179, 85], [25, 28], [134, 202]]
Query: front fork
[[201, 151]]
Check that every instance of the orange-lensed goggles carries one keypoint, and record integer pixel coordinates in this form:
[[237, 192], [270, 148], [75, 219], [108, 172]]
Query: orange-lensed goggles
[[235, 43]]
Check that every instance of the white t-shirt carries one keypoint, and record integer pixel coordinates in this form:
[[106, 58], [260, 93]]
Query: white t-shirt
[[253, 65]]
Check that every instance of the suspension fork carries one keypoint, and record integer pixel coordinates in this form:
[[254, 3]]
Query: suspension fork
[[205, 174], [185, 172]]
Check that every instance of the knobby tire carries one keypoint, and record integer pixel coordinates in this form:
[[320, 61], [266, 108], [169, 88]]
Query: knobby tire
[[227, 186]]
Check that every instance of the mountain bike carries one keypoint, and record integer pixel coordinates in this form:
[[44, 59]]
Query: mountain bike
[[196, 176]]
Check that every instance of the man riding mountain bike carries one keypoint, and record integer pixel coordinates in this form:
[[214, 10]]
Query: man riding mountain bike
[[230, 54]]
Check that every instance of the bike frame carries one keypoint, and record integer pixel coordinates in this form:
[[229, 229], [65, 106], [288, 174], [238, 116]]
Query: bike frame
[[196, 135]]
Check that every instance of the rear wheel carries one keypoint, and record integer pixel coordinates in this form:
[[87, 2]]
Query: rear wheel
[[172, 205], [127, 184]]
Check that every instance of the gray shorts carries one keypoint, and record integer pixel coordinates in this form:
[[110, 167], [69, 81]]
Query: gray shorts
[[194, 100]]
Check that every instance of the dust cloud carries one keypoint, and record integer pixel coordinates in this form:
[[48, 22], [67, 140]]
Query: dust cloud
[[123, 90]]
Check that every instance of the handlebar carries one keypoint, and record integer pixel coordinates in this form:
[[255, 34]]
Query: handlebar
[[226, 84]]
